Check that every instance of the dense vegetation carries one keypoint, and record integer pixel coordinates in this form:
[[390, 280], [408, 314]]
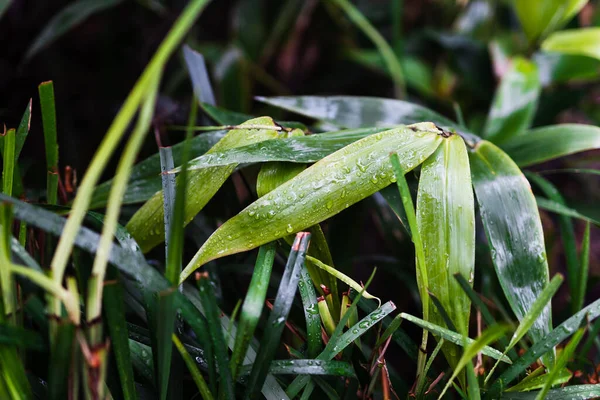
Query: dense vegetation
[[434, 239]]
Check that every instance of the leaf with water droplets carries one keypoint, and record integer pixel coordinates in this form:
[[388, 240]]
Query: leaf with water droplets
[[446, 223], [147, 226], [321, 191], [514, 230]]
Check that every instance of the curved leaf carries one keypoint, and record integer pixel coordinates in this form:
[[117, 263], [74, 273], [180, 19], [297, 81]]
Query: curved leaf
[[515, 101], [319, 192], [147, 226], [543, 144], [540, 17], [582, 41], [512, 224], [446, 222], [557, 67], [579, 392]]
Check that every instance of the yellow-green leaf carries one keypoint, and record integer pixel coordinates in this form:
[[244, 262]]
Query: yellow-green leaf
[[446, 223], [147, 226], [584, 41], [541, 17], [321, 191]]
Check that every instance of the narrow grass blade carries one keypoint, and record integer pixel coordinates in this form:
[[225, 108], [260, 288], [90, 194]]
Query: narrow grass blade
[[454, 337], [446, 224], [537, 379], [196, 67], [563, 210], [311, 314], [281, 308], [311, 367], [515, 101], [580, 392], [7, 283], [514, 231], [168, 187], [567, 233], [382, 45], [550, 142], [65, 20], [46, 91], [23, 130], [584, 256], [253, 305], [117, 328], [193, 369], [147, 225], [8, 160], [211, 309], [556, 336], [537, 307], [488, 336], [561, 363], [326, 188], [60, 360]]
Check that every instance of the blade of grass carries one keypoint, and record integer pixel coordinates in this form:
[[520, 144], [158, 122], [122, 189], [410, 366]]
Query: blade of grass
[[584, 257], [382, 45], [561, 363], [580, 392], [21, 337], [211, 309], [7, 283], [47, 107], [311, 314], [488, 336], [277, 318], [253, 305], [8, 159], [532, 315], [193, 368], [536, 381], [422, 279]]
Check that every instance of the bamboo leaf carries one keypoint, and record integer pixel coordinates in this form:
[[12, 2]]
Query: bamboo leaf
[[147, 226], [311, 314], [537, 379], [582, 41], [580, 392], [196, 67], [319, 192], [446, 222], [514, 231], [515, 101], [454, 337], [555, 337], [563, 210], [541, 17], [550, 142]]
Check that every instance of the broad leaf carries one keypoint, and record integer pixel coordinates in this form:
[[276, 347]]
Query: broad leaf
[[446, 222], [319, 192], [541, 17], [555, 67], [582, 41], [512, 224], [515, 101]]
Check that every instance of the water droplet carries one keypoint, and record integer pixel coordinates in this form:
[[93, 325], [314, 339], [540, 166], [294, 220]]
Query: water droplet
[[329, 204], [361, 166], [251, 213], [374, 179], [290, 229]]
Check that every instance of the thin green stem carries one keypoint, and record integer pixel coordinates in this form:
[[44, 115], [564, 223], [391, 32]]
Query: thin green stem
[[382, 45]]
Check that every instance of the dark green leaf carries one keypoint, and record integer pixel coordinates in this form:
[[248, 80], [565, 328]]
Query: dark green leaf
[[46, 91], [15, 335], [556, 67], [579, 392]]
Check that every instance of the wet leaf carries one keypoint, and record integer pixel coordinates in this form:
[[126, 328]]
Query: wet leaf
[[515, 101], [147, 226], [319, 192], [550, 142], [514, 231], [579, 392], [582, 41], [446, 222]]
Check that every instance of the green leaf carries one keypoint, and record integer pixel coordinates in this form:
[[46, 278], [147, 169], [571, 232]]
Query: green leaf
[[253, 305], [8, 161], [537, 379], [514, 231], [446, 222], [196, 67], [67, 19], [454, 337], [541, 17], [20, 337], [557, 67], [515, 101], [358, 112], [309, 367], [281, 308], [580, 392], [563, 210], [297, 149], [46, 91], [555, 337], [147, 226], [61, 355], [193, 368], [550, 142], [584, 256], [319, 192], [145, 180], [23, 129], [582, 41], [311, 314]]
